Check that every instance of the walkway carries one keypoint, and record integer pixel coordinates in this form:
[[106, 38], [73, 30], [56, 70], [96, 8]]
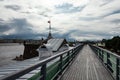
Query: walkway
[[86, 67]]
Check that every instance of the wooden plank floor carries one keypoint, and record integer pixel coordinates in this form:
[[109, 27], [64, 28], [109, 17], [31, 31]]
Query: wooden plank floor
[[86, 67]]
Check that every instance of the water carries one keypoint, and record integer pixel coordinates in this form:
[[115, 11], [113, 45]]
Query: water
[[8, 51]]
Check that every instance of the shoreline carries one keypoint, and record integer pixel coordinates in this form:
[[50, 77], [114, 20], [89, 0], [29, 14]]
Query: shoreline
[[9, 44], [8, 51]]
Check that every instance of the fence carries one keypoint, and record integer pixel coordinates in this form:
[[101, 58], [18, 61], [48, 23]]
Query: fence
[[110, 60], [50, 68]]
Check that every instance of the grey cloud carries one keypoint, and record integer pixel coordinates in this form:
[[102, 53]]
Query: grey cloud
[[4, 27], [59, 35], [23, 29], [92, 18], [52, 28], [111, 13], [106, 2], [115, 12], [81, 33], [116, 29], [13, 7], [87, 33], [68, 8], [43, 8], [43, 14], [21, 25], [115, 21], [26, 12], [1, 20], [89, 18], [23, 36], [43, 11]]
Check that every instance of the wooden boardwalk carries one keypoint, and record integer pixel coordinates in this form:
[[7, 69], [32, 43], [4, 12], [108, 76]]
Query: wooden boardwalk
[[86, 67]]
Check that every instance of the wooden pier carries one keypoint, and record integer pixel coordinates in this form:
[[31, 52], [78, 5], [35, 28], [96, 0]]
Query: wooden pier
[[87, 67], [83, 62]]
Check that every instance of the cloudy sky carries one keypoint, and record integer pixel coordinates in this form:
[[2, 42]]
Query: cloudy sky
[[71, 19]]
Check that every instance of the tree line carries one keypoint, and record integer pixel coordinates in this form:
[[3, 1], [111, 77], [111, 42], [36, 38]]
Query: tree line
[[112, 44]]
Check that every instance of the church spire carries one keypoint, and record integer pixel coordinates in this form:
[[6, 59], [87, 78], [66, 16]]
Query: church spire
[[49, 35]]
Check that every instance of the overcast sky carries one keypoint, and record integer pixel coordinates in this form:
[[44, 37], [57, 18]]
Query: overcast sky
[[71, 19]]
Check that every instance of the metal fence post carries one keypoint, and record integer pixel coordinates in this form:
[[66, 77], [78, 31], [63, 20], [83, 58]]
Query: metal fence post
[[117, 68], [43, 72], [68, 55], [60, 65], [97, 52], [107, 60], [102, 55]]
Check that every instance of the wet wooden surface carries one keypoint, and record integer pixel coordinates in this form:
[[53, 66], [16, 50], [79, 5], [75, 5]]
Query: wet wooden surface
[[86, 67]]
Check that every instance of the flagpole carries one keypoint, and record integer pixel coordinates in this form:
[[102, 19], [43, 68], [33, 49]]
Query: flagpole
[[49, 26], [50, 35]]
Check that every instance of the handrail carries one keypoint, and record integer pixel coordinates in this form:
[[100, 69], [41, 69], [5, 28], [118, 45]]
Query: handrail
[[109, 52], [43, 65], [109, 59]]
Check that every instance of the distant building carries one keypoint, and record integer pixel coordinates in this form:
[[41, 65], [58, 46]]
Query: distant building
[[53, 45], [44, 52], [6, 41], [102, 44], [33, 41]]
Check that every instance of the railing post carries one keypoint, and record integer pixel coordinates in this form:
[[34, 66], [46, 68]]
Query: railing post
[[72, 54], [102, 55], [107, 60], [60, 65], [98, 52], [117, 68], [43, 72], [68, 55], [77, 50]]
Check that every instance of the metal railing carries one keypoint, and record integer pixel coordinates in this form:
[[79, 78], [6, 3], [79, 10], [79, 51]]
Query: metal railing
[[50, 68], [109, 59]]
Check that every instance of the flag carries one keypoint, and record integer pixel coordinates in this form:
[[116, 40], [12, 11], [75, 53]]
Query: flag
[[48, 21]]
